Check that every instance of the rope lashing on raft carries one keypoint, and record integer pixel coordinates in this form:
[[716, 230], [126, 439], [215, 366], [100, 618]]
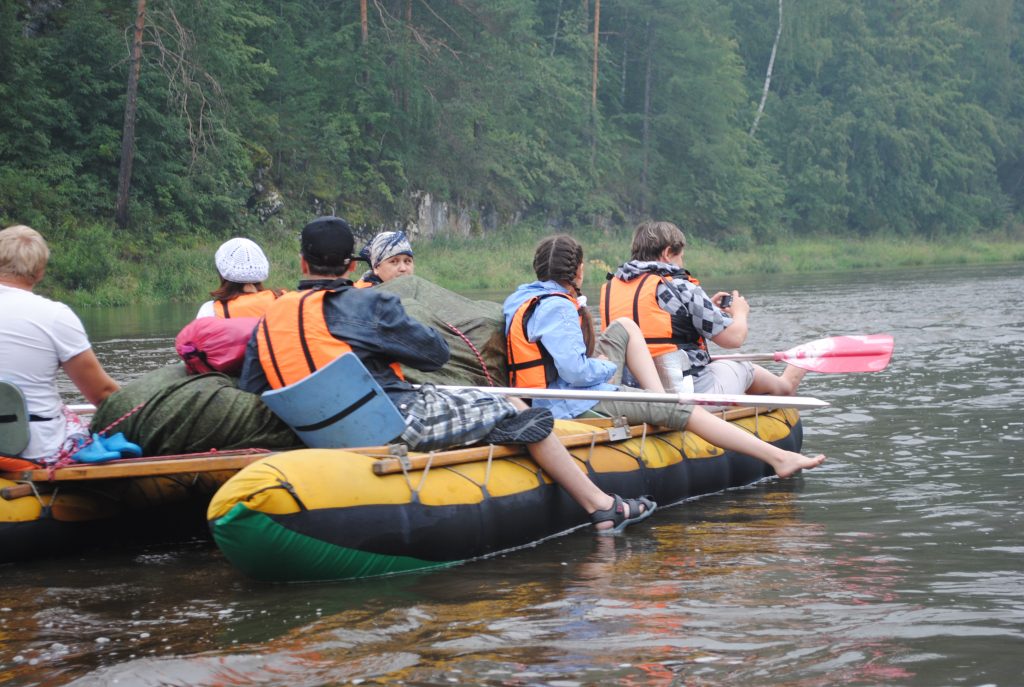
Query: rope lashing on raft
[[487, 471], [415, 491], [44, 508], [483, 486], [757, 418], [479, 357]]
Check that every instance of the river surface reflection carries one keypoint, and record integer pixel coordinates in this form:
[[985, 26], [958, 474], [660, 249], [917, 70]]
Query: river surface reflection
[[899, 562]]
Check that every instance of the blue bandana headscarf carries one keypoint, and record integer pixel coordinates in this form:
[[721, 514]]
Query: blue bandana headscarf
[[386, 245]]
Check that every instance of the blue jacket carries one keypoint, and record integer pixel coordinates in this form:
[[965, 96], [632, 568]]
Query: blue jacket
[[557, 325], [374, 323]]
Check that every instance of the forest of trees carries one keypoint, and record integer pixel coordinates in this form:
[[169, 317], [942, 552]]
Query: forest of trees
[[746, 120]]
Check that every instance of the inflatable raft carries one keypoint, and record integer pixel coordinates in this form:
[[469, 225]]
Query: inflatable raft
[[47, 513], [332, 514]]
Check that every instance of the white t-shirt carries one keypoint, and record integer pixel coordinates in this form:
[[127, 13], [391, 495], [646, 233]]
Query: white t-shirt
[[206, 310], [36, 336]]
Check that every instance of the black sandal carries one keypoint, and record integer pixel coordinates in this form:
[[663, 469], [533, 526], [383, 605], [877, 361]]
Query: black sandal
[[525, 427], [617, 513]]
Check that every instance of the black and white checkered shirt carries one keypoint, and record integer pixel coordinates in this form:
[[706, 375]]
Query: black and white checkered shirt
[[682, 298]]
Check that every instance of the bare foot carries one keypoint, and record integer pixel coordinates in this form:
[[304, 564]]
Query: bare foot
[[792, 463]]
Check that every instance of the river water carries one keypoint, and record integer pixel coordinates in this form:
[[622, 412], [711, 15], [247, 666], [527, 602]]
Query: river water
[[899, 562]]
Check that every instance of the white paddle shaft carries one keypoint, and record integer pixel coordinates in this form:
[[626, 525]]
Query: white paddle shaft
[[755, 400]]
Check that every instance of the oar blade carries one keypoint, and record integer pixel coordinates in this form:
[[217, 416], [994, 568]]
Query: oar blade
[[841, 354]]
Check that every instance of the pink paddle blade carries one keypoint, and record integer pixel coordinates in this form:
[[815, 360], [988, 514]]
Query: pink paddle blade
[[837, 354]]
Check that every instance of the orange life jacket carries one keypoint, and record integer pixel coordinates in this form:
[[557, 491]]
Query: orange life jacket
[[368, 279], [246, 304], [530, 366], [637, 299], [294, 341]]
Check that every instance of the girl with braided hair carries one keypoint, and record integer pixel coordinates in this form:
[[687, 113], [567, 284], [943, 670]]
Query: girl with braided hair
[[551, 345]]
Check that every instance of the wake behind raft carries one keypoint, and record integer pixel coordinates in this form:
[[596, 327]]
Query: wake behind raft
[[332, 514]]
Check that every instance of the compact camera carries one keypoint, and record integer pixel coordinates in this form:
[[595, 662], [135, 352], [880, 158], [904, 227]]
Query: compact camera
[[725, 302]]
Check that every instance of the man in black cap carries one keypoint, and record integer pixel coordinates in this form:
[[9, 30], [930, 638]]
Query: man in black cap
[[326, 316]]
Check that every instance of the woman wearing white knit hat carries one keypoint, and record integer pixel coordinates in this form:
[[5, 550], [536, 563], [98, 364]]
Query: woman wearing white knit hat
[[243, 268]]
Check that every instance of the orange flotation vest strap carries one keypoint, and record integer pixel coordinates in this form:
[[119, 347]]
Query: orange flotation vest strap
[[637, 299], [16, 464], [293, 338], [246, 304], [530, 366]]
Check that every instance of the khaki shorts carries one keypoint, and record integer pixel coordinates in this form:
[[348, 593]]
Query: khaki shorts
[[725, 377]]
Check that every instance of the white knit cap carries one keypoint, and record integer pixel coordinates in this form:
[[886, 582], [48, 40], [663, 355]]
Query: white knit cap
[[241, 261]]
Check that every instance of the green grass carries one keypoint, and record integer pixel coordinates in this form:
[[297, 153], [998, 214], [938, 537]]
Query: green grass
[[97, 266], [501, 262]]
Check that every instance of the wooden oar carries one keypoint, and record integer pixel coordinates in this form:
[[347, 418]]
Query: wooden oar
[[836, 354], [754, 400], [214, 461]]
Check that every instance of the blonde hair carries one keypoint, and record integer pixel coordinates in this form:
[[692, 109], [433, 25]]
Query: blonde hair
[[651, 238], [23, 253]]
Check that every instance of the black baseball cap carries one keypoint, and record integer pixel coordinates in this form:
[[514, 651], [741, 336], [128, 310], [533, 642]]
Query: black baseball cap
[[327, 242]]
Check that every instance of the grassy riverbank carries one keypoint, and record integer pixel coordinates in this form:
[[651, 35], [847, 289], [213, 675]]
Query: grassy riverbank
[[95, 267]]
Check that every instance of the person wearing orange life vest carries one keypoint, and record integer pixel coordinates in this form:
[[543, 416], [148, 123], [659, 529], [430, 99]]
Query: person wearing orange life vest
[[544, 323], [541, 354], [243, 268], [372, 324], [675, 313]]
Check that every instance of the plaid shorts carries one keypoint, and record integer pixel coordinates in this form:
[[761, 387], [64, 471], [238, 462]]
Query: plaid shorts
[[442, 419]]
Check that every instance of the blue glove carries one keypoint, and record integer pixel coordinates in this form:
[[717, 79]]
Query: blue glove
[[94, 452], [125, 448]]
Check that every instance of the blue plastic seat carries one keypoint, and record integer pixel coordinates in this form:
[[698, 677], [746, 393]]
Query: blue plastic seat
[[338, 406]]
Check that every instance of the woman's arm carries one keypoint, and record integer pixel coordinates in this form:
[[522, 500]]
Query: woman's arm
[[88, 375]]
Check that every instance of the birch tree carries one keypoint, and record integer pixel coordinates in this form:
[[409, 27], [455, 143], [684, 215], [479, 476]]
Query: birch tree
[[768, 75]]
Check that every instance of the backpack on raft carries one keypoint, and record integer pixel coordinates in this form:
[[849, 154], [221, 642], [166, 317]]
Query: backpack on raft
[[215, 344]]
